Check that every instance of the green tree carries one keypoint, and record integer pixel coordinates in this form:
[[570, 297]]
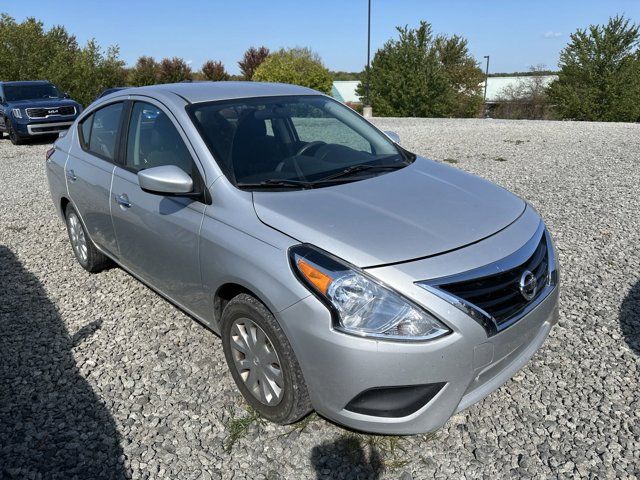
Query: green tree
[[299, 66], [464, 76], [599, 76], [145, 72], [422, 75], [173, 70], [251, 60], [28, 52], [214, 71]]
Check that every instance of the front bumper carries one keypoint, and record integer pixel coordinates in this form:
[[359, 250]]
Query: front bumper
[[42, 128], [338, 367]]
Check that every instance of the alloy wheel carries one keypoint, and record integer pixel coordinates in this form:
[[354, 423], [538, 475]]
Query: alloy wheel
[[78, 238]]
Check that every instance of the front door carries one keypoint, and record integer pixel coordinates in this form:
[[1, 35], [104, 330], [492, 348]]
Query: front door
[[158, 235]]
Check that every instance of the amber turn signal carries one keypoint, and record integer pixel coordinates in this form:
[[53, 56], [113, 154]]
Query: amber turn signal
[[318, 279]]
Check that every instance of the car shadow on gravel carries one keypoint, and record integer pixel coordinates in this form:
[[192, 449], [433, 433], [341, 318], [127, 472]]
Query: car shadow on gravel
[[346, 458], [52, 424], [630, 318]]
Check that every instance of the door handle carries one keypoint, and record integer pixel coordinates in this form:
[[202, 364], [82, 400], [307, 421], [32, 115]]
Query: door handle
[[122, 200], [71, 176]]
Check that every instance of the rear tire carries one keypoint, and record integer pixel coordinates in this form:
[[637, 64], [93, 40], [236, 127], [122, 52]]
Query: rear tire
[[88, 256], [264, 366]]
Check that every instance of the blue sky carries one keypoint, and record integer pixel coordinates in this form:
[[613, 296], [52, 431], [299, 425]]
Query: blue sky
[[516, 33]]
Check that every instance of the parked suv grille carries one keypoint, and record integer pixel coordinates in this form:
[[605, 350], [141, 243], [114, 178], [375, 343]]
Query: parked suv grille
[[500, 295], [44, 112]]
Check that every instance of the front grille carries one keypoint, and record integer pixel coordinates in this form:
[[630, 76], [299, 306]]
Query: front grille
[[44, 112], [499, 295]]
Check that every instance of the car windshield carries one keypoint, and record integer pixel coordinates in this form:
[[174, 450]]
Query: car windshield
[[293, 142], [14, 93]]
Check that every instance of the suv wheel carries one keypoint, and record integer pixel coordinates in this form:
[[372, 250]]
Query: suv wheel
[[13, 135], [262, 361], [85, 251]]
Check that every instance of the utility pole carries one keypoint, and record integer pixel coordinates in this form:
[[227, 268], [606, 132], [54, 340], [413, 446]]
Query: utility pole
[[367, 111], [486, 78]]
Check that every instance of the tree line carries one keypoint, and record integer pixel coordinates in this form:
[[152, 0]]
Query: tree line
[[417, 74], [28, 52]]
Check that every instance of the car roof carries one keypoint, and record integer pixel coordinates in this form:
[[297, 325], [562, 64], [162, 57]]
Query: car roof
[[27, 82], [196, 92]]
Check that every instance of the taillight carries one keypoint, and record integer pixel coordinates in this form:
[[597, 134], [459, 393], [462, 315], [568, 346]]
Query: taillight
[[49, 153]]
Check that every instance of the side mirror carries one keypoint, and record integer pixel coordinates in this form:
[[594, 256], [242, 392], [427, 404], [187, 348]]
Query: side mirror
[[165, 180], [393, 136]]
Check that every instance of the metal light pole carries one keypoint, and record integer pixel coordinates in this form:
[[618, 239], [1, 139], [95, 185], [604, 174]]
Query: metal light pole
[[367, 111], [486, 78]]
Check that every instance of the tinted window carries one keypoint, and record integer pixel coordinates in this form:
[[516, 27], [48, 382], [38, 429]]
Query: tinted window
[[153, 141], [85, 127], [100, 131]]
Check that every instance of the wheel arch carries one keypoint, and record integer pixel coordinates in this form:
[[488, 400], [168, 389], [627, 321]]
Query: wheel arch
[[224, 294]]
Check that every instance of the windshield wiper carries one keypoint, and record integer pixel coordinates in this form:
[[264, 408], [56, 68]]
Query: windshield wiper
[[361, 168], [275, 182]]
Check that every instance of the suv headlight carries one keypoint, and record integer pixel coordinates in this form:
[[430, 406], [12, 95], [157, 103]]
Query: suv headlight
[[16, 112], [360, 304]]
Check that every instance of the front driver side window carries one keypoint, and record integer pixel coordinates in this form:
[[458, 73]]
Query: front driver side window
[[153, 141]]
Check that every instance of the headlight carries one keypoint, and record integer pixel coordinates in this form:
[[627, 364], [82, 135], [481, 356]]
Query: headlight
[[362, 305], [16, 112]]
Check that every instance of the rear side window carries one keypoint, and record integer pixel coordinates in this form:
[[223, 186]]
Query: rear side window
[[154, 141], [99, 131]]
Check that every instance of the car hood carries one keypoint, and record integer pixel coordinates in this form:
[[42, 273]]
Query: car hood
[[42, 102], [421, 210]]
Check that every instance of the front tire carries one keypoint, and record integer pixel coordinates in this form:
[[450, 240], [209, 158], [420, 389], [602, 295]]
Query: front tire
[[15, 138], [88, 256], [262, 362]]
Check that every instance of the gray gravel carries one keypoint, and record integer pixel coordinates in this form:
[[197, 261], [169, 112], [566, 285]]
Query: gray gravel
[[101, 378]]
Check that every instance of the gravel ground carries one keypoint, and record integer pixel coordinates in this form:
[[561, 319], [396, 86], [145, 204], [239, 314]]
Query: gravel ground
[[100, 377]]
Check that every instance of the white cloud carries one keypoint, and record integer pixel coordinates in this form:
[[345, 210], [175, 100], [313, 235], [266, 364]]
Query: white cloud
[[551, 34], [189, 62]]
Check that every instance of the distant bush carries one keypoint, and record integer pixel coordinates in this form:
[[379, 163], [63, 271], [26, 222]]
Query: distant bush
[[145, 72], [29, 52], [599, 75], [422, 75], [214, 71], [527, 99], [173, 70], [251, 60], [355, 106], [340, 75], [299, 66]]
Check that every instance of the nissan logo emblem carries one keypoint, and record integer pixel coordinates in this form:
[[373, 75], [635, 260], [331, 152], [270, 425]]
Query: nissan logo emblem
[[528, 285]]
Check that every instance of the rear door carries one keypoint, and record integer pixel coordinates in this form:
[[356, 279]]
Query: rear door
[[89, 171], [158, 235]]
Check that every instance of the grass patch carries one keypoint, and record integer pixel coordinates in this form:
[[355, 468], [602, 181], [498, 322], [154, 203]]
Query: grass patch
[[500, 159], [450, 160], [388, 450], [238, 426], [301, 425]]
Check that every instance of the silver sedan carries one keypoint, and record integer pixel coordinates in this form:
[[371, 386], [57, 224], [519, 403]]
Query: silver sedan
[[344, 273]]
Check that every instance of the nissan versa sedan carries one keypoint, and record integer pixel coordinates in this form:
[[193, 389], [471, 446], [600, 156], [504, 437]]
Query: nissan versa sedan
[[343, 273]]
